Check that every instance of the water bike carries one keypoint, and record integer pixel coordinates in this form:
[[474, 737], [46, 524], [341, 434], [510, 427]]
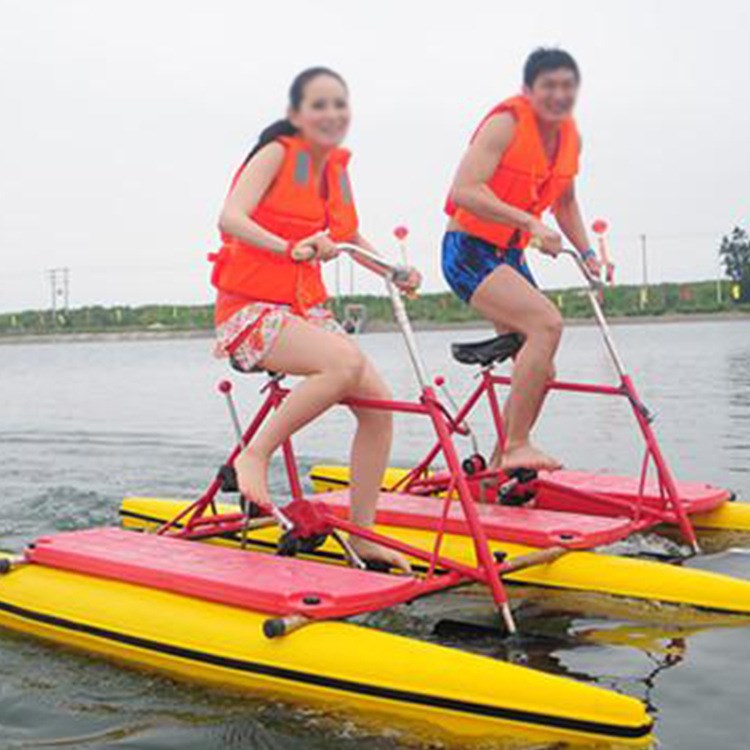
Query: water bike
[[200, 597], [558, 519], [454, 536]]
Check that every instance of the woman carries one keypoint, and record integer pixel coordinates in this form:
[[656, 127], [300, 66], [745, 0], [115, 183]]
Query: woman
[[288, 206], [522, 160]]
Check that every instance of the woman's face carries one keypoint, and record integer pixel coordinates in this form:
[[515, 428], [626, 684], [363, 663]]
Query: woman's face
[[323, 115]]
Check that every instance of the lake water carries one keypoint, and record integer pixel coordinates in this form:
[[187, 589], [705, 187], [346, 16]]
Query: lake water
[[83, 424]]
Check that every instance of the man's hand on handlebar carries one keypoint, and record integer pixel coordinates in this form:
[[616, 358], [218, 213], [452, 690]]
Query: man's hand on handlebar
[[408, 280], [546, 240], [593, 265]]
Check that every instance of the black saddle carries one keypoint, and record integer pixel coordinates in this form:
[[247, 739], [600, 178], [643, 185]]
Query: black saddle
[[235, 365], [489, 351]]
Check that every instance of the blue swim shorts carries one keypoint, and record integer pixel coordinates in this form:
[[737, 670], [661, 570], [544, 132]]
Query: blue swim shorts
[[468, 260]]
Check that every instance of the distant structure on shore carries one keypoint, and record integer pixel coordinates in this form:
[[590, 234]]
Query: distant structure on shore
[[355, 317]]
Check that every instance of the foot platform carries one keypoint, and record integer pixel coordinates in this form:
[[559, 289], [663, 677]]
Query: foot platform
[[522, 525], [250, 580]]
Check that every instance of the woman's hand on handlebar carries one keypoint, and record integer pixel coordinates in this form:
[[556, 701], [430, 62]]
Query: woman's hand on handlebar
[[327, 248], [545, 240], [318, 245]]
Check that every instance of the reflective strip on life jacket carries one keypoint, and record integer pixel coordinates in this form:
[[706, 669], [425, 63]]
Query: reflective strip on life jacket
[[292, 208]]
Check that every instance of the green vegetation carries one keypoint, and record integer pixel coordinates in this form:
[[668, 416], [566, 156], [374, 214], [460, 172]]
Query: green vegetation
[[97, 319], [621, 301], [735, 256]]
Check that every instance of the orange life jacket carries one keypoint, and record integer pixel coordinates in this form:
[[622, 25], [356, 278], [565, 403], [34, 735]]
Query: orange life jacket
[[292, 208], [524, 178]]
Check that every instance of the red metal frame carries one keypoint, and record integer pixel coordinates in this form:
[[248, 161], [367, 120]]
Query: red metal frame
[[670, 510], [201, 519]]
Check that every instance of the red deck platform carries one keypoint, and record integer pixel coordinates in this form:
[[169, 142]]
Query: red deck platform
[[696, 497], [532, 526], [251, 580]]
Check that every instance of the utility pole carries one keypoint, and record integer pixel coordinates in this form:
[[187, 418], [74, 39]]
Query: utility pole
[[66, 288], [644, 263], [59, 282], [53, 295], [337, 284]]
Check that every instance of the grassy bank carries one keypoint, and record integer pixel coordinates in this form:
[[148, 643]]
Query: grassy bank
[[696, 298]]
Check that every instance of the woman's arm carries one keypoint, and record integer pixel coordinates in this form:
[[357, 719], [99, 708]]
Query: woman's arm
[[409, 284], [470, 189], [255, 180], [361, 241]]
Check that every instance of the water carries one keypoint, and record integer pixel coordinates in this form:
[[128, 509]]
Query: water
[[81, 425]]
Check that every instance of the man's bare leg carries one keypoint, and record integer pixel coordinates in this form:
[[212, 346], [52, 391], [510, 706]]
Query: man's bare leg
[[509, 301]]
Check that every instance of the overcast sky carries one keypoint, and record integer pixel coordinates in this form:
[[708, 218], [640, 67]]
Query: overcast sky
[[122, 122]]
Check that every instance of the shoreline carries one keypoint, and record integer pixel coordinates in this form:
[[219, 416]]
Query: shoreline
[[377, 326]]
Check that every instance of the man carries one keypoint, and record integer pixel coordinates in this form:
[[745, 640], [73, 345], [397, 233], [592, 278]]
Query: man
[[522, 161]]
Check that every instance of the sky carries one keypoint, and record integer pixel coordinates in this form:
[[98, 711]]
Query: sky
[[123, 120]]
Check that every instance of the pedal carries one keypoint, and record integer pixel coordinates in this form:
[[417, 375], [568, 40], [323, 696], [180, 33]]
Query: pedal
[[251, 509], [228, 478], [290, 545], [510, 493], [377, 566], [474, 464]]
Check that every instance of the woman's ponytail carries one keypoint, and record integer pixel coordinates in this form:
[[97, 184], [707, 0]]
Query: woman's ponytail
[[270, 134], [296, 92]]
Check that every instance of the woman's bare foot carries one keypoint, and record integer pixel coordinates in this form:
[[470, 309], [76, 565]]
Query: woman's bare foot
[[252, 471], [369, 551], [526, 456]]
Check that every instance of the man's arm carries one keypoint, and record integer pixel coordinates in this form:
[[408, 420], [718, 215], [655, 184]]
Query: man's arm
[[471, 191], [568, 215]]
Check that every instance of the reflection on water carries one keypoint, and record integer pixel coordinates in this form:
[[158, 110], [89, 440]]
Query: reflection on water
[[82, 425]]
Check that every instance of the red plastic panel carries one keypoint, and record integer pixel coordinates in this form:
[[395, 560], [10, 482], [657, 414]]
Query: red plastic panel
[[251, 580], [532, 526], [697, 497]]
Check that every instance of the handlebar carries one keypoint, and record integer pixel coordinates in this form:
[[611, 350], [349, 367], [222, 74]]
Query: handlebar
[[372, 262], [375, 263], [594, 281]]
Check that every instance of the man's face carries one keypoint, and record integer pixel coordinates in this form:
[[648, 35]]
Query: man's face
[[553, 94]]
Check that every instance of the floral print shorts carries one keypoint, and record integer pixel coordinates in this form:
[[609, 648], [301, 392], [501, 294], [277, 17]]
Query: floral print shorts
[[251, 332]]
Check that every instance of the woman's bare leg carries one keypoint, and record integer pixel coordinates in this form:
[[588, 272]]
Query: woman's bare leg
[[334, 368], [371, 447], [369, 458], [508, 300]]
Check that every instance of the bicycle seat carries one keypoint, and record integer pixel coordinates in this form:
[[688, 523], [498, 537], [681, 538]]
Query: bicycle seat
[[489, 351]]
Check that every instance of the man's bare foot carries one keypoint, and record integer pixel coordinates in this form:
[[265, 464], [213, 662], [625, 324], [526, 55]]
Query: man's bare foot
[[526, 456], [369, 551], [252, 471]]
